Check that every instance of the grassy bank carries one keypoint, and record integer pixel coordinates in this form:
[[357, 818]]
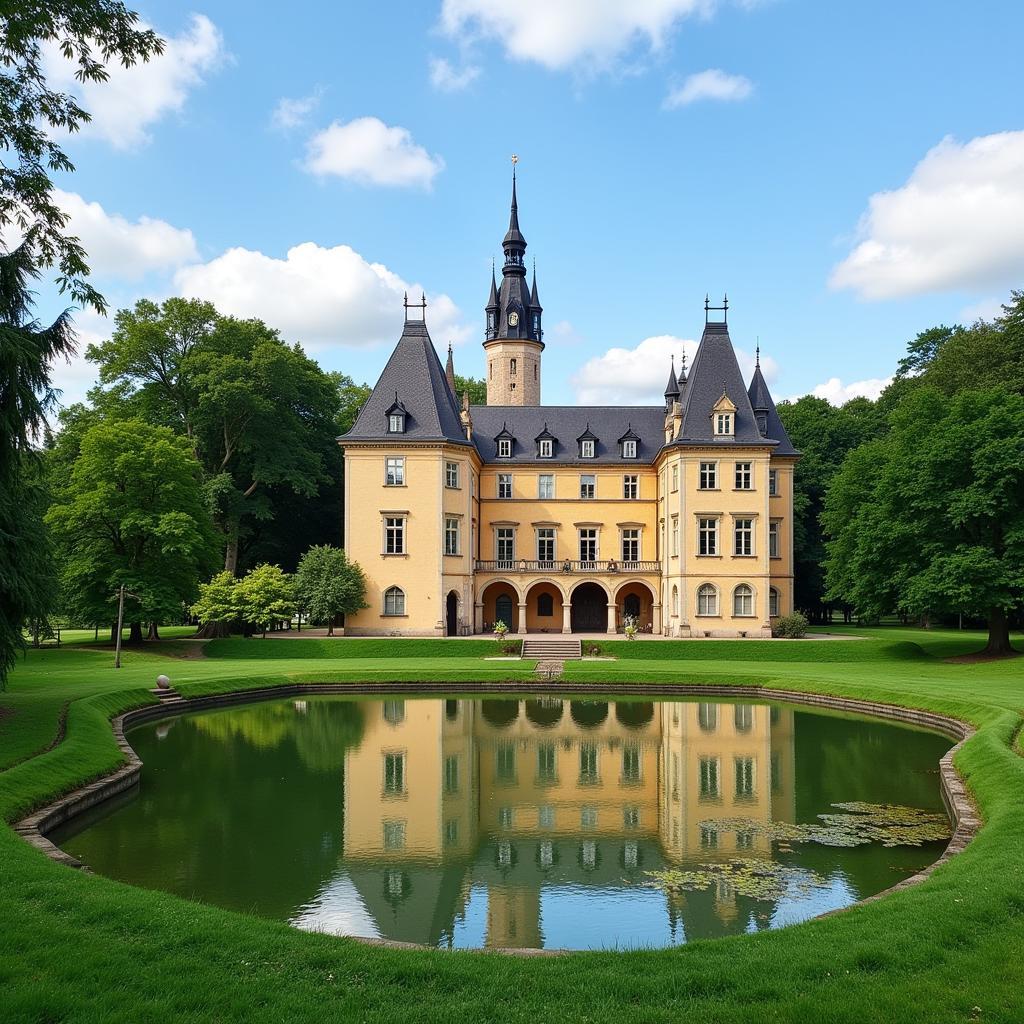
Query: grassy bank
[[83, 948]]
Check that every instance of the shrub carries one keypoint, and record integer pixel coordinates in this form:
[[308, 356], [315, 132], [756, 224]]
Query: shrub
[[512, 647], [793, 627]]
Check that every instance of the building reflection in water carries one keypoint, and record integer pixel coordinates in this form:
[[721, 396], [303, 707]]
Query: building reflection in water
[[447, 798]]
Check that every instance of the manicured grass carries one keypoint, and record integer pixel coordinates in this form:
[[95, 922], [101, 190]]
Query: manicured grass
[[82, 948]]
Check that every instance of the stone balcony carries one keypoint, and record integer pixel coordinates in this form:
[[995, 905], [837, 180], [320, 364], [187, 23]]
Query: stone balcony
[[568, 567]]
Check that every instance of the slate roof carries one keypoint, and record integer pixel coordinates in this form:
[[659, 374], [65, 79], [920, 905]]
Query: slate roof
[[415, 374], [567, 423], [715, 372], [761, 399]]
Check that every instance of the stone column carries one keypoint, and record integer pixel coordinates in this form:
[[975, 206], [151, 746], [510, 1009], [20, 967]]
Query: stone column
[[656, 619], [522, 619], [611, 617], [566, 617], [478, 617]]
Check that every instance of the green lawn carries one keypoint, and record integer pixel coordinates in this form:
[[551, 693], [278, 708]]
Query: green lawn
[[77, 947]]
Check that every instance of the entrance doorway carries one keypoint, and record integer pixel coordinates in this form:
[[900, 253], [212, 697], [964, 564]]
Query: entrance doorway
[[452, 614], [503, 610], [589, 609]]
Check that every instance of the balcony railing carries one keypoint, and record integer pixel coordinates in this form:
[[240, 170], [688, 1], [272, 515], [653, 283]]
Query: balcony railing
[[566, 566]]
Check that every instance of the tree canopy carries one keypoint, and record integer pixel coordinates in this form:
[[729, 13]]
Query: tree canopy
[[265, 595], [327, 585]]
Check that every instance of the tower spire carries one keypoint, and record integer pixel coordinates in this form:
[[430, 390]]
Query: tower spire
[[449, 370]]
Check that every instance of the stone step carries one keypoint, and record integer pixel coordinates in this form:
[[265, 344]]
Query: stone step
[[551, 648]]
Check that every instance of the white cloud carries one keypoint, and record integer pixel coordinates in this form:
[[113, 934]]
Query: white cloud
[[121, 248], [132, 99], [984, 309], [564, 333], [838, 393], [368, 151], [445, 77], [317, 296], [74, 377], [561, 33], [955, 224], [712, 84], [292, 113], [637, 376]]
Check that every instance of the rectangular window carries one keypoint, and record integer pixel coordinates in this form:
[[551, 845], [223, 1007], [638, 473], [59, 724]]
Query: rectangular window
[[744, 778], [630, 764], [545, 817], [631, 817], [744, 536], [504, 448], [675, 477], [707, 532], [588, 817], [588, 485], [394, 472], [396, 423], [505, 762], [546, 448], [631, 545], [630, 487], [546, 763], [504, 485], [629, 449], [586, 449], [588, 544], [744, 476], [709, 778], [451, 474], [708, 838], [588, 763], [675, 537], [451, 535], [394, 835], [709, 476], [505, 817], [546, 485], [505, 544], [451, 774], [723, 424], [451, 832], [773, 482], [546, 545], [394, 535], [773, 602], [394, 774], [773, 539]]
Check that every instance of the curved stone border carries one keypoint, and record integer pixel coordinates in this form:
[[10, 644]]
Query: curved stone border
[[959, 805]]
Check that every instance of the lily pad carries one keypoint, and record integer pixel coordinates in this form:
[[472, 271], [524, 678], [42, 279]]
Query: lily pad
[[755, 878]]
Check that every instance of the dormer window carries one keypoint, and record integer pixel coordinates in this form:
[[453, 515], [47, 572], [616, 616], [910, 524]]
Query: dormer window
[[587, 449], [504, 448], [723, 417], [629, 449], [396, 417], [629, 444], [546, 448], [723, 424]]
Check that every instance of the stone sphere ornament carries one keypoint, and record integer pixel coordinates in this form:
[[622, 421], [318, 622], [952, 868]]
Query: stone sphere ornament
[[163, 682]]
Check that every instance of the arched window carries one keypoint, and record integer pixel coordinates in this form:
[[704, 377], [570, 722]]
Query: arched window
[[773, 602], [707, 599], [707, 717], [743, 600], [675, 600], [545, 605], [394, 601], [743, 717]]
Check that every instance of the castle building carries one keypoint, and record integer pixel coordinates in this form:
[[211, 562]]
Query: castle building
[[559, 519]]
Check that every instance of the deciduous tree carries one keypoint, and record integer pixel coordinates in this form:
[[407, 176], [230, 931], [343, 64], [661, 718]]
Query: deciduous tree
[[265, 595], [217, 605], [327, 585]]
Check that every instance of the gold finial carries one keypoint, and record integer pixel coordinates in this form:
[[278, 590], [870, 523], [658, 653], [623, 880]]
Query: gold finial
[[515, 159]]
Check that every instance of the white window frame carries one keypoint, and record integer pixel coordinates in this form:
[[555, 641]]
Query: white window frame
[[723, 424], [773, 483], [743, 536], [394, 773], [595, 554], [631, 487], [675, 476], [675, 536], [504, 484], [707, 600], [452, 476], [394, 601], [707, 536], [744, 476], [547, 448], [545, 486], [452, 536], [629, 449], [631, 537], [504, 448], [394, 535], [588, 480], [708, 480], [394, 471], [552, 539], [587, 448], [774, 536], [500, 540], [396, 423], [742, 600]]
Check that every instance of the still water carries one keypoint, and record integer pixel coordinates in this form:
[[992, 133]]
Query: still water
[[534, 822]]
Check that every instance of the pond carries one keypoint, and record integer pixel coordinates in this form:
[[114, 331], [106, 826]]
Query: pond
[[532, 822]]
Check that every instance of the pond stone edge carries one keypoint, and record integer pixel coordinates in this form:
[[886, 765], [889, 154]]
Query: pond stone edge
[[955, 796]]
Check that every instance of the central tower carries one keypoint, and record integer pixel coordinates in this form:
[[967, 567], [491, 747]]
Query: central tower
[[513, 339]]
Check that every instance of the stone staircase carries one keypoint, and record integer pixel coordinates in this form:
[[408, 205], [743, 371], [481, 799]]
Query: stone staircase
[[552, 648]]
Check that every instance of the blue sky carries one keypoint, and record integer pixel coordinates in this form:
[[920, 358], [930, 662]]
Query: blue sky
[[851, 173]]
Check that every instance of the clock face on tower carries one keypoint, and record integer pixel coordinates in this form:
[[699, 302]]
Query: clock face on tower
[[513, 319]]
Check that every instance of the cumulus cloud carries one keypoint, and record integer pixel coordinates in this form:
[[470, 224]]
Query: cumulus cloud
[[561, 34], [121, 248], [293, 113], [838, 393], [370, 152], [445, 77], [637, 376], [318, 296], [712, 84], [124, 107], [955, 224], [74, 377]]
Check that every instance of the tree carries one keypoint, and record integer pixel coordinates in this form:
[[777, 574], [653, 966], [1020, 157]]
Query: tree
[[930, 518], [922, 351], [327, 585], [477, 388], [217, 605], [257, 412], [265, 595], [132, 513], [33, 117]]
